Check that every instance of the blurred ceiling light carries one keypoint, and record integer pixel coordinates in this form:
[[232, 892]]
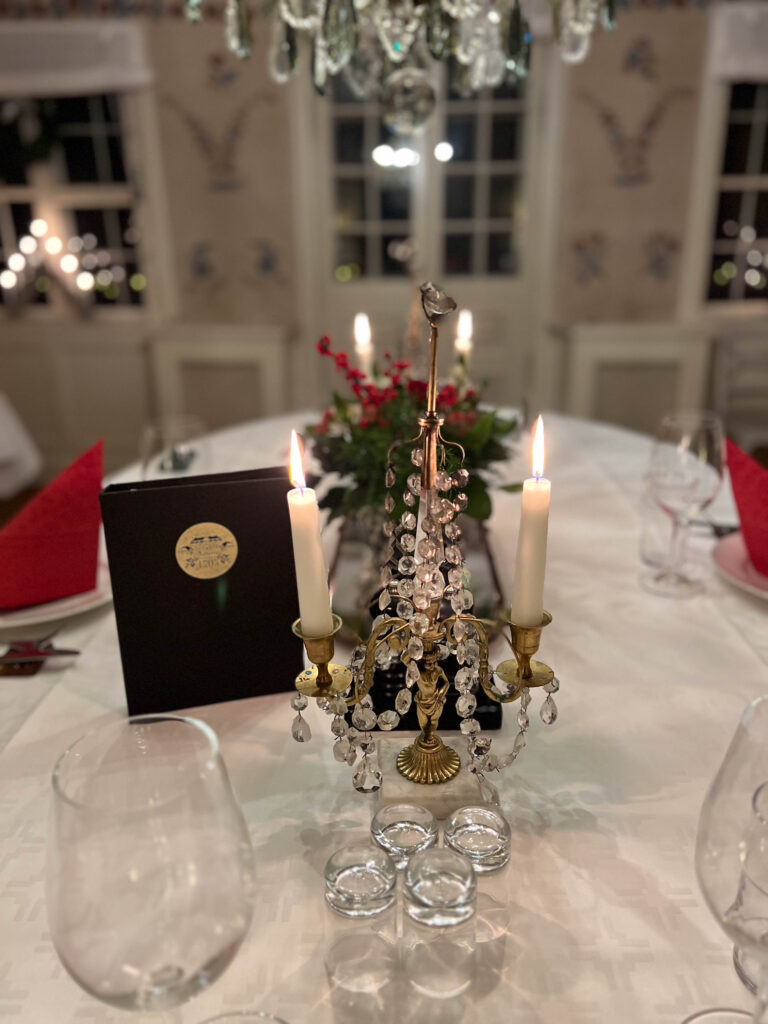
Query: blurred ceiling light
[[8, 279], [38, 227], [69, 263], [27, 244], [443, 152], [85, 281], [54, 245], [383, 155], [16, 261]]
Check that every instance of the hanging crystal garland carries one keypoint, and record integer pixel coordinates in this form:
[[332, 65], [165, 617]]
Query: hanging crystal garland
[[369, 41]]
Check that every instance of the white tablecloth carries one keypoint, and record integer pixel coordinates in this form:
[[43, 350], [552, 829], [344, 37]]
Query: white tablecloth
[[598, 917]]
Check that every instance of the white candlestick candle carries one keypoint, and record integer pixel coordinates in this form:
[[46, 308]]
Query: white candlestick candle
[[528, 591], [363, 343], [311, 575]]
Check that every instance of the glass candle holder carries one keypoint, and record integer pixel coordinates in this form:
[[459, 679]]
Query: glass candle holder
[[439, 888], [481, 834], [360, 880], [404, 829]]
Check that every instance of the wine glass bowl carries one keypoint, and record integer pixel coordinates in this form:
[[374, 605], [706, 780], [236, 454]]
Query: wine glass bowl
[[683, 476], [150, 868]]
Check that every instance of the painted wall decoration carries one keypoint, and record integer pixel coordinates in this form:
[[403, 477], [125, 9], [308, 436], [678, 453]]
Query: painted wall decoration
[[631, 147], [630, 120]]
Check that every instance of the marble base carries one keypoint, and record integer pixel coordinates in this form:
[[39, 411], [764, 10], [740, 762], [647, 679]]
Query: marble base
[[442, 798]]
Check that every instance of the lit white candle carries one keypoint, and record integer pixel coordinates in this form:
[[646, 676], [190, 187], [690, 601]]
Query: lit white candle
[[311, 575], [528, 593], [363, 343], [462, 346]]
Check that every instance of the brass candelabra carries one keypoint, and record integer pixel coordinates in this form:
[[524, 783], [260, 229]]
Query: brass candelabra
[[423, 573]]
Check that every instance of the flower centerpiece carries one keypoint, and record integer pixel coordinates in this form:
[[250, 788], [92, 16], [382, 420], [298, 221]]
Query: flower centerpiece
[[357, 435]]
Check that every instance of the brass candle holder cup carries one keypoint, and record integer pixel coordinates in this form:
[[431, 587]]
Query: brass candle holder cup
[[523, 670], [325, 678]]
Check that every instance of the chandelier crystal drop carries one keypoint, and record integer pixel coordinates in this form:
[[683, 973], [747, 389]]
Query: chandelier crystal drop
[[387, 49]]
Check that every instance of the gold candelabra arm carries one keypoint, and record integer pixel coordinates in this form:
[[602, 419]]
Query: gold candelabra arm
[[325, 679], [524, 671]]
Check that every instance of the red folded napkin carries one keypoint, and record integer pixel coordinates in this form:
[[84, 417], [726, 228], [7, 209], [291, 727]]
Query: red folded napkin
[[749, 481], [50, 549]]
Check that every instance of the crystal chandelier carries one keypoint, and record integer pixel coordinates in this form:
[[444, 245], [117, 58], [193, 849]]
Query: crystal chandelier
[[386, 49]]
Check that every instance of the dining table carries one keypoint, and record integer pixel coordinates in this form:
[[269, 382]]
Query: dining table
[[596, 919]]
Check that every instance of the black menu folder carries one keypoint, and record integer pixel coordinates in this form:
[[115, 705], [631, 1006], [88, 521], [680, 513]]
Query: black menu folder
[[204, 588]]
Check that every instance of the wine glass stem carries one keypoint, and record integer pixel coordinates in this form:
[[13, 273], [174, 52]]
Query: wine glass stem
[[761, 998], [677, 543]]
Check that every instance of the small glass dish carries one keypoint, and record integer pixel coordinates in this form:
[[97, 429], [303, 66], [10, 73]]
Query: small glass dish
[[360, 880], [439, 888], [481, 834], [402, 830]]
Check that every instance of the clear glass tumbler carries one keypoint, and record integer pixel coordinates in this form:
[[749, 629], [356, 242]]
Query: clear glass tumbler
[[439, 888], [360, 880], [404, 829], [150, 868], [481, 834]]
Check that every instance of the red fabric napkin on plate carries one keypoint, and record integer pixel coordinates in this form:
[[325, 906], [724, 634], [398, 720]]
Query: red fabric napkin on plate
[[50, 549], [749, 481]]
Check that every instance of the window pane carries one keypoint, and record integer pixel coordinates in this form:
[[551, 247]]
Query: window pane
[[458, 254], [80, 158], [22, 218], [390, 244], [350, 257], [504, 191], [504, 137], [395, 202], [728, 213], [461, 135], [761, 215], [115, 145], [69, 110], [350, 200], [743, 95], [502, 257], [459, 197], [12, 163], [736, 149], [510, 89], [722, 270], [349, 141]]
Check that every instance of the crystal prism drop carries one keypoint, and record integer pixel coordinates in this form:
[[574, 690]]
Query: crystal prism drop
[[479, 746], [452, 532], [453, 554], [408, 520], [319, 79], [389, 503], [363, 718], [519, 743], [417, 456], [282, 51], [341, 749], [397, 23], [408, 100], [237, 27], [406, 565], [548, 712], [389, 477], [193, 10], [409, 499], [388, 720], [489, 793], [299, 702], [420, 623], [522, 720], [340, 33], [553, 686], [414, 483], [469, 726], [466, 705], [407, 543], [525, 699], [405, 588], [403, 701], [301, 14], [300, 730], [415, 648], [438, 25], [385, 599], [404, 610], [412, 674], [367, 777], [339, 727]]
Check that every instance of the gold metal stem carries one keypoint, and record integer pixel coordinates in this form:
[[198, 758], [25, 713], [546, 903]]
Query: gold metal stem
[[325, 679], [432, 388]]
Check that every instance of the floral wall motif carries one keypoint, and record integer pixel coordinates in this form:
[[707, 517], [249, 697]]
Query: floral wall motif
[[630, 125]]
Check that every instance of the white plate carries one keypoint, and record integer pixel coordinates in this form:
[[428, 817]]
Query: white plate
[[733, 563], [65, 607]]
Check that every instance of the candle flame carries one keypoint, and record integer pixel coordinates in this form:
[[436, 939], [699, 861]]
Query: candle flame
[[464, 325], [362, 331], [297, 469], [537, 460]]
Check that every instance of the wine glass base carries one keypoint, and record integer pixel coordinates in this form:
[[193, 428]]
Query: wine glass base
[[718, 1016], [667, 583]]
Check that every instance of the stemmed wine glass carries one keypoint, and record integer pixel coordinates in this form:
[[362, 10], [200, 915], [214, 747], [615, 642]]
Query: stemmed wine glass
[[683, 477], [150, 868], [732, 849]]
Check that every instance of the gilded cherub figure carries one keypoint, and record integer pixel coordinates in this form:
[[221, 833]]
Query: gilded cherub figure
[[430, 698]]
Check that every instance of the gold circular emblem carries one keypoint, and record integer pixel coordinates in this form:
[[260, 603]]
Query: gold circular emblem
[[206, 550]]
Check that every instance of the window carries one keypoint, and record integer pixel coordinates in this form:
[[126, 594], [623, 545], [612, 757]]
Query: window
[[67, 231], [739, 264], [470, 155]]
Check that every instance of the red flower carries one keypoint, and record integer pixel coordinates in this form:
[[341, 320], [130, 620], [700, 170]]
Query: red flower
[[342, 360], [401, 364], [324, 345], [418, 388], [355, 375]]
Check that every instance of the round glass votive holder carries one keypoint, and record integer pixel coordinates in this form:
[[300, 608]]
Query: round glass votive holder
[[439, 888], [360, 880], [481, 834], [404, 829]]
